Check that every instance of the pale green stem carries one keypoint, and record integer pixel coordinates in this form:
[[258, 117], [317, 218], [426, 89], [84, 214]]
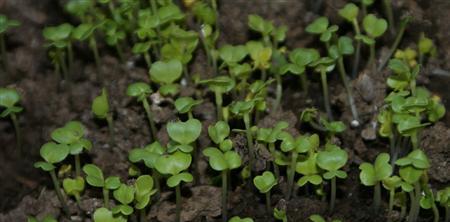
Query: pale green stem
[[77, 165], [15, 122], [326, 100], [279, 92], [70, 58], [275, 166], [390, 15], [348, 89], [178, 203], [268, 208], [333, 194], [105, 197], [394, 46], [358, 49], [249, 141], [371, 63], [224, 195], [148, 59], [109, 120], [377, 197], [219, 102], [58, 192], [391, 200], [142, 215], [148, 111], [94, 48], [291, 174]]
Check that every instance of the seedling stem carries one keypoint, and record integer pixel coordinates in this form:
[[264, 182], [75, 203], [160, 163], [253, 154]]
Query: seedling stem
[[58, 192], [377, 197], [268, 203], [3, 52], [18, 134], [77, 166], [333, 194], [249, 135], [224, 195], [275, 166], [326, 100], [390, 15], [350, 98], [150, 119], [358, 49], [93, 45], [279, 92], [291, 173], [106, 197], [178, 203], [109, 120], [394, 46]]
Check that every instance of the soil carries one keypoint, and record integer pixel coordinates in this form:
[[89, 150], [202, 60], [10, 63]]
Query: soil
[[49, 103]]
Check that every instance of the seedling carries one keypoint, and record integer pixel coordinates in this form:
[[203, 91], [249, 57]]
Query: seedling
[[186, 104], [408, 55], [74, 187], [231, 57], [114, 36], [86, 31], [427, 198], [280, 214], [52, 154], [219, 85], [165, 74], [141, 91], [142, 48], [321, 27], [323, 66], [264, 183], [148, 154], [72, 135], [105, 215], [373, 175], [95, 178], [391, 184], [184, 134], [59, 40], [143, 187], [412, 168], [238, 219], [374, 27], [318, 218], [125, 195], [8, 100], [301, 144], [175, 165], [100, 108], [47, 218], [350, 13], [443, 197], [332, 159], [299, 59], [261, 56], [308, 168], [332, 127], [5, 25], [426, 47]]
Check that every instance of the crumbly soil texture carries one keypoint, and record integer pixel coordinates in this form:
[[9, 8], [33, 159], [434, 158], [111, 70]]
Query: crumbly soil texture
[[49, 103]]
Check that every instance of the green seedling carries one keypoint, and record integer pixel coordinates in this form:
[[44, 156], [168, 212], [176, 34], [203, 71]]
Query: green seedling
[[105, 215], [308, 168], [391, 184], [318, 218], [408, 55], [374, 174], [143, 187], [232, 55], [332, 159], [295, 146], [261, 56], [323, 66], [443, 198], [223, 160], [184, 134], [5, 25], [412, 167], [258, 24], [321, 27], [52, 154], [72, 134], [387, 4], [149, 154], [365, 4], [86, 32], [427, 198], [80, 8], [265, 183], [8, 100], [95, 178], [101, 110], [114, 36], [238, 219], [59, 41], [280, 214], [332, 127], [125, 195], [141, 91], [186, 104], [47, 218], [142, 48], [269, 136], [219, 85], [175, 165], [74, 187], [299, 59], [350, 13], [426, 47], [165, 74], [374, 28]]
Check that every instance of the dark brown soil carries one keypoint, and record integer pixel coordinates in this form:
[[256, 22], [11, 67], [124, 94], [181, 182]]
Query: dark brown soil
[[49, 103]]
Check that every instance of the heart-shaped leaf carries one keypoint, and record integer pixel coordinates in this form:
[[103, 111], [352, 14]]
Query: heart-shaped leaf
[[54, 153], [94, 175], [174, 180], [265, 182], [166, 72], [184, 132], [174, 163], [374, 26], [8, 97]]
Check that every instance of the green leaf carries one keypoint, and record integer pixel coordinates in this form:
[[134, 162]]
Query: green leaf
[[374, 26], [317, 218], [112, 183], [73, 186], [220, 84], [349, 12], [83, 31], [174, 163], [54, 153], [238, 219], [44, 166], [367, 174], [141, 47], [8, 97], [104, 215], [398, 66], [219, 131], [140, 90], [257, 23], [233, 159], [94, 175], [410, 174], [382, 166], [303, 56], [100, 105], [232, 55], [185, 104], [265, 182], [174, 180], [125, 194], [318, 26], [416, 158], [168, 13], [166, 72], [345, 45], [332, 160], [391, 183], [149, 154], [217, 159], [184, 133]]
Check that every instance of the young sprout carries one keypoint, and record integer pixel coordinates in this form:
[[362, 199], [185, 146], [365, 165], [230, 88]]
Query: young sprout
[[232, 55], [443, 197], [387, 4], [350, 13], [238, 219], [391, 184], [301, 144], [269, 136], [261, 56], [47, 218], [374, 174], [321, 27], [427, 198], [74, 187], [280, 214], [318, 218], [323, 66], [114, 37], [100, 108], [141, 91], [408, 55], [175, 165], [143, 187], [142, 48], [5, 25], [95, 178], [332, 128], [184, 134], [8, 100], [299, 59], [125, 195], [412, 167], [264, 183], [223, 159], [332, 159], [374, 27], [426, 47], [59, 40], [258, 24], [54, 153], [149, 154], [165, 74], [105, 215], [186, 104], [86, 31], [308, 168], [72, 135], [219, 85]]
